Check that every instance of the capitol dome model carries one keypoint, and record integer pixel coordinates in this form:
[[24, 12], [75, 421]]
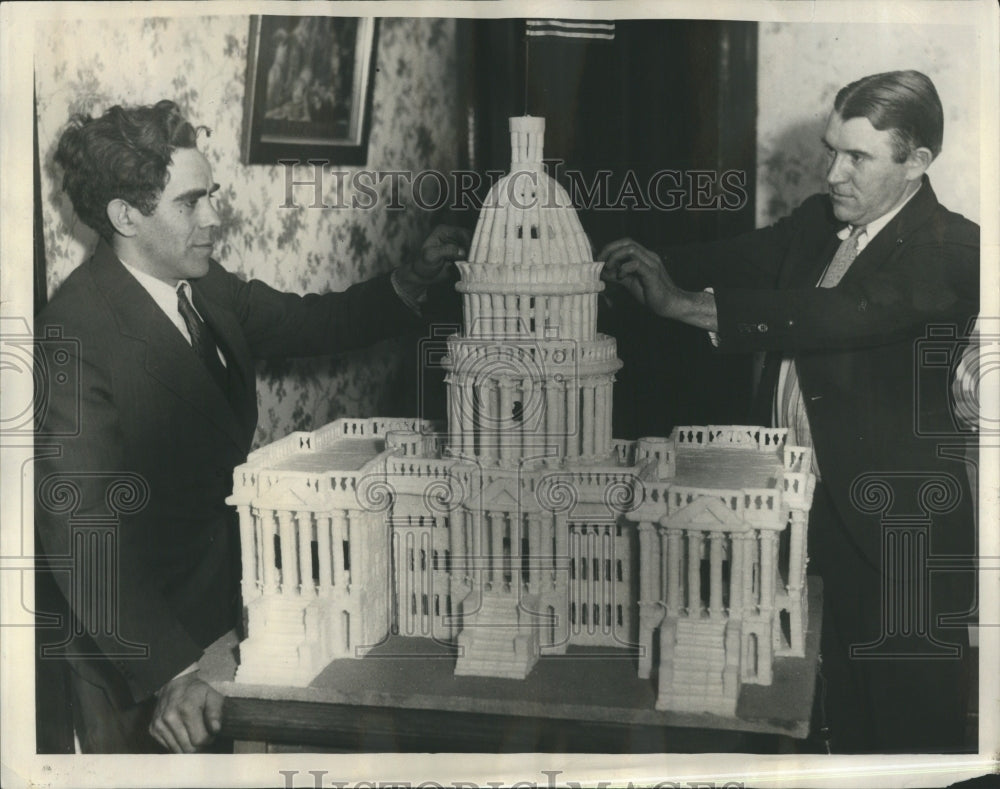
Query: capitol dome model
[[524, 529]]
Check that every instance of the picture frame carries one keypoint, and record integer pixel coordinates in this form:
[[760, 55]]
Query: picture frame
[[309, 89]]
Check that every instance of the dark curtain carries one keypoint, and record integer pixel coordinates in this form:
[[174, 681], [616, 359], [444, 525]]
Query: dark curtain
[[663, 95], [53, 721]]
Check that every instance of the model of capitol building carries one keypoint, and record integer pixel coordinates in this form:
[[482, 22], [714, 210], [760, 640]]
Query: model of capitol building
[[525, 529]]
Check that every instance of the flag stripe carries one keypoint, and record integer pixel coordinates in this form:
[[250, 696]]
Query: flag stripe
[[571, 23], [567, 34], [571, 28]]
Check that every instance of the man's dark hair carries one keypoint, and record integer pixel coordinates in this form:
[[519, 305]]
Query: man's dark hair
[[903, 102], [123, 154]]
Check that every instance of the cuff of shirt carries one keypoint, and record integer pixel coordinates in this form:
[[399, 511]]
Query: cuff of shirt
[[712, 335], [189, 670], [412, 296]]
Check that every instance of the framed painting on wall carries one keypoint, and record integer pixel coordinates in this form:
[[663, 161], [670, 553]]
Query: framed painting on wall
[[309, 88]]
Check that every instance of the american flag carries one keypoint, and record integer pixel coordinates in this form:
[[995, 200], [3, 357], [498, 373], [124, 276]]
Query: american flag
[[571, 28]]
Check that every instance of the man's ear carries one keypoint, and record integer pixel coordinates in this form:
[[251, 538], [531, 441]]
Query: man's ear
[[917, 163], [122, 216]]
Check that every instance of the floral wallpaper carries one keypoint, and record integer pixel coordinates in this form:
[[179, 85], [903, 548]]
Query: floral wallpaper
[[802, 66], [200, 62]]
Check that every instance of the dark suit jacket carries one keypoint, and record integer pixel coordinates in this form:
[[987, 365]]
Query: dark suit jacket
[[855, 345], [150, 416]]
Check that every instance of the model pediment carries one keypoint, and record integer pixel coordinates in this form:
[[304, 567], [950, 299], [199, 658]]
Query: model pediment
[[503, 494], [707, 513]]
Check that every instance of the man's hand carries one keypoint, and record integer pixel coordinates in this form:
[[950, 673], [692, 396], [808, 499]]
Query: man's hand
[[188, 714], [443, 247], [643, 274]]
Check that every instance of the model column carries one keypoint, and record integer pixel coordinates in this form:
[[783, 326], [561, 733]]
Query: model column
[[737, 564], [303, 523], [267, 532], [649, 570], [534, 522], [561, 528], [466, 413], [673, 555], [587, 422], [504, 422], [454, 425], [768, 554], [486, 426], [456, 540], [337, 534], [601, 442], [248, 538], [323, 549], [717, 545], [516, 578], [289, 585], [573, 426], [694, 603], [796, 554], [477, 564], [554, 427], [496, 541]]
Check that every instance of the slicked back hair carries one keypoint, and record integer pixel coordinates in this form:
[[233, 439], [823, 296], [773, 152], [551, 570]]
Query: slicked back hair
[[905, 103]]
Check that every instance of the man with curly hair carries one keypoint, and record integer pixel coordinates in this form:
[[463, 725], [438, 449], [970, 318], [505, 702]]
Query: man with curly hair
[[166, 341]]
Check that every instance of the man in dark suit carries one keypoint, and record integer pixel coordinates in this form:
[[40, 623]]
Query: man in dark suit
[[131, 488], [840, 294]]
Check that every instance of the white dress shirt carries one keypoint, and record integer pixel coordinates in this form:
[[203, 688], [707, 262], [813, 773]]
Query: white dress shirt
[[165, 297]]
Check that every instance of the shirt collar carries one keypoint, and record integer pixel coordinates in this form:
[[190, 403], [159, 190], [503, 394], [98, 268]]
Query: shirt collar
[[872, 228], [164, 295]]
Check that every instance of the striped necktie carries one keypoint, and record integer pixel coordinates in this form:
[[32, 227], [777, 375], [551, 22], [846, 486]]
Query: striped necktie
[[842, 260], [202, 340]]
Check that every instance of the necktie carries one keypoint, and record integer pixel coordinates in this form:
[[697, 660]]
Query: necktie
[[202, 340], [842, 260]]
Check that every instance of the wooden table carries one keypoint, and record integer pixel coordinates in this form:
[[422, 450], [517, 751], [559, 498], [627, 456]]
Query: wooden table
[[403, 696]]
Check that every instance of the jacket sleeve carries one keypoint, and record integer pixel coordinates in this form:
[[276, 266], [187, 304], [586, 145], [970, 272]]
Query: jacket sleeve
[[282, 325], [87, 506], [750, 260], [923, 281]]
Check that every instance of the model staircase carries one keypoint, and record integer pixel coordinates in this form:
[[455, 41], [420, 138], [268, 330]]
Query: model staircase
[[494, 642], [694, 676], [286, 651]]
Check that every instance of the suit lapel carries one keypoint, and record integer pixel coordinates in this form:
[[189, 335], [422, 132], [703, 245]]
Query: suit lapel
[[806, 276], [168, 358], [811, 254], [799, 274], [880, 248], [228, 332]]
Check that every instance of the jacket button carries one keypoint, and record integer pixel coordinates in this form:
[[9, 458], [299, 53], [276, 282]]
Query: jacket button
[[862, 305], [762, 327]]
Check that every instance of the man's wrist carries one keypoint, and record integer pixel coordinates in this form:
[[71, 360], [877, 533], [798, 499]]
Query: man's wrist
[[695, 309], [410, 288], [189, 670]]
